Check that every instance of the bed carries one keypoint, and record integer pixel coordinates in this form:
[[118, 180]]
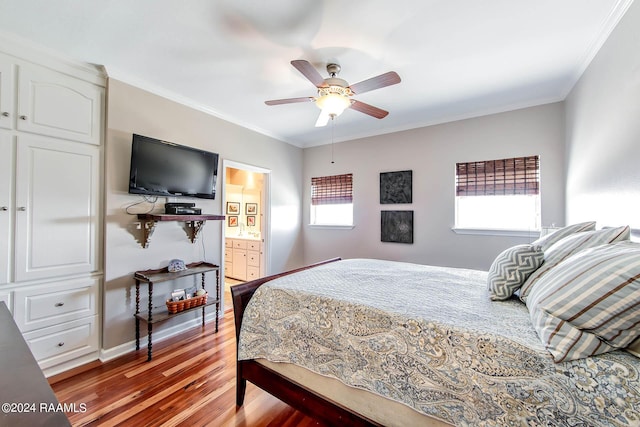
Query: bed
[[375, 342]]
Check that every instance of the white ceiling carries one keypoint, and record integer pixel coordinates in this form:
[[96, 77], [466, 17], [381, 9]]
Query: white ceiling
[[456, 58]]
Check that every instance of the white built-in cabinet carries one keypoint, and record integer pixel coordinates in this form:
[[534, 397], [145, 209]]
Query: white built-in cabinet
[[51, 132], [242, 258]]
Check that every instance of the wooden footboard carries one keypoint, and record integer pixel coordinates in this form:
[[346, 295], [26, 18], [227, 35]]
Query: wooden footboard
[[301, 398]]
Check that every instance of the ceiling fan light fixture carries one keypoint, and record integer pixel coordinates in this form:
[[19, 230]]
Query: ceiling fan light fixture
[[334, 93], [333, 104]]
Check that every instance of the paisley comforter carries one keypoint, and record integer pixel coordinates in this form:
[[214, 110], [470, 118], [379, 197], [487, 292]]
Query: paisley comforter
[[431, 338]]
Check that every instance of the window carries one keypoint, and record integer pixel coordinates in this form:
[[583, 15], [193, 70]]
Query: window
[[332, 200], [499, 194]]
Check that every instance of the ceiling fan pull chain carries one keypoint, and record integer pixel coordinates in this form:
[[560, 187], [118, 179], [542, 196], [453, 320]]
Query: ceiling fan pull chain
[[332, 125]]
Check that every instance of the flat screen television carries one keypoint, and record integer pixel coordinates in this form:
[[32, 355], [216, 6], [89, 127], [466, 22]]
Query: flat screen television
[[161, 168]]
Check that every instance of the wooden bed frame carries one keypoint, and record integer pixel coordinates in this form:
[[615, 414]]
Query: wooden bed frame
[[290, 392]]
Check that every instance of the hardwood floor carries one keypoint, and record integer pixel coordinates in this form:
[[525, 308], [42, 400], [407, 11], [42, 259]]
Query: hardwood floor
[[190, 382]]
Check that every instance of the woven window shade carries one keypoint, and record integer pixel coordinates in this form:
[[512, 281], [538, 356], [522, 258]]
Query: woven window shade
[[518, 175], [331, 190]]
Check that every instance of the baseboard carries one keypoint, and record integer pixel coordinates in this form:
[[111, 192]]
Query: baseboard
[[129, 347], [71, 364]]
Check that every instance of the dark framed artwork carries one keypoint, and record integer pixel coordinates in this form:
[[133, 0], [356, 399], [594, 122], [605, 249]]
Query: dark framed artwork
[[396, 226], [251, 220], [233, 208], [251, 208], [233, 221], [396, 187]]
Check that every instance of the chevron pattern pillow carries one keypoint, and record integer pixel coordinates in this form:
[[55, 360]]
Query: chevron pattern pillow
[[511, 268]]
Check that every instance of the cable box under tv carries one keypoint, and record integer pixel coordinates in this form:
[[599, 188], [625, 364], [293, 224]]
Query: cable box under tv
[[182, 210], [179, 205]]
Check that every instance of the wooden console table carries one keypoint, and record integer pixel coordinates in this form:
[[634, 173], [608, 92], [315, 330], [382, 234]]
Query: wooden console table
[[26, 397], [160, 314]]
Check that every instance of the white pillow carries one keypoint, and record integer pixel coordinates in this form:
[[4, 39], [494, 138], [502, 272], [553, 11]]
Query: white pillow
[[548, 240]]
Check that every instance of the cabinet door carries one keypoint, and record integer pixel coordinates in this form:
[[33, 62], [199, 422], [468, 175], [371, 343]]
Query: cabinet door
[[239, 264], [6, 205], [7, 112], [57, 198], [54, 104]]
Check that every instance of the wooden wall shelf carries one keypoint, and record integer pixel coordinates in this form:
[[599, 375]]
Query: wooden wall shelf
[[193, 223]]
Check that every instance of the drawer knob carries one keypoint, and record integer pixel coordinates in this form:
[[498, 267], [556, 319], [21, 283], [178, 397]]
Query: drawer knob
[[5, 114], [22, 208], [60, 344], [59, 304], [4, 208], [23, 117]]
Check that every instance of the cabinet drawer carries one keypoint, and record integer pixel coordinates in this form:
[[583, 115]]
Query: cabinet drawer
[[253, 246], [253, 273], [228, 243], [228, 254], [54, 345], [253, 258], [240, 244], [46, 305]]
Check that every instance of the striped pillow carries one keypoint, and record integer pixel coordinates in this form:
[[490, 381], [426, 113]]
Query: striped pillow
[[511, 268], [548, 240], [590, 303], [571, 245]]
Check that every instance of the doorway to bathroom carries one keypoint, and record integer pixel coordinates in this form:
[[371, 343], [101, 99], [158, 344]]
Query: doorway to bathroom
[[246, 205]]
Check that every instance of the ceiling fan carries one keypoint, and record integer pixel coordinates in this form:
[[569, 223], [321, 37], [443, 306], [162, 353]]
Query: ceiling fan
[[334, 93]]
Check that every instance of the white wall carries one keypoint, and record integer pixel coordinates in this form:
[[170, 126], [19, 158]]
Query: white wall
[[131, 110], [432, 153], [603, 132]]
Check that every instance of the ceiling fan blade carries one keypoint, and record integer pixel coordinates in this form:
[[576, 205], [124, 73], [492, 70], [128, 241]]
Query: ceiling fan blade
[[383, 80], [290, 100], [309, 72], [323, 119], [369, 109]]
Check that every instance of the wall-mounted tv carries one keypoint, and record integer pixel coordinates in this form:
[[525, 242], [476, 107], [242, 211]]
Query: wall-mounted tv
[[161, 168]]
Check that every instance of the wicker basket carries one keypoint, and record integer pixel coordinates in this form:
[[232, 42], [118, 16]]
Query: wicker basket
[[178, 306]]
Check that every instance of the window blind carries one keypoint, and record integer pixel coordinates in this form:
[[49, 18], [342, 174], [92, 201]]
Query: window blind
[[336, 189], [518, 175]]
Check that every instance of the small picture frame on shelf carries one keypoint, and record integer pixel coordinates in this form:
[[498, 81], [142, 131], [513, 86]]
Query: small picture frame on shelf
[[233, 208], [251, 208], [251, 220], [233, 221]]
